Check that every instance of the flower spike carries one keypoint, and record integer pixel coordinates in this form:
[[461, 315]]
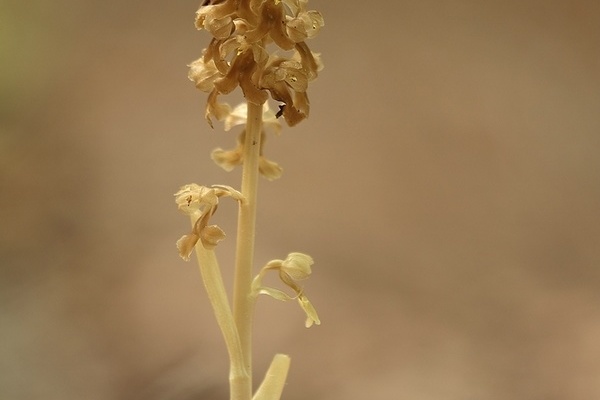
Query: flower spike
[[239, 55]]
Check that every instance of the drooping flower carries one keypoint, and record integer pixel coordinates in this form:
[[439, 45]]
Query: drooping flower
[[295, 267]]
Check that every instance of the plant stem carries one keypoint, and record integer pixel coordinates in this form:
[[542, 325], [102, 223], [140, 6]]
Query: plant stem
[[239, 377], [243, 303], [272, 386]]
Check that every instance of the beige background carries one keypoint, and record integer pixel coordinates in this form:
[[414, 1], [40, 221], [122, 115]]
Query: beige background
[[447, 184]]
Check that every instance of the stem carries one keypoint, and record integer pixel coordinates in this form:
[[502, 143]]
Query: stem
[[272, 386], [243, 303], [239, 377]]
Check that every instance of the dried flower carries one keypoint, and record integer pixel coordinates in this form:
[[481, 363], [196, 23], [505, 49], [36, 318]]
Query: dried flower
[[204, 74], [237, 55], [302, 24]]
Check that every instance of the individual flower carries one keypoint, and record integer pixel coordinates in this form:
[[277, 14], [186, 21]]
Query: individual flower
[[238, 116], [302, 24], [200, 203], [229, 159], [217, 17], [295, 267], [203, 74], [287, 81]]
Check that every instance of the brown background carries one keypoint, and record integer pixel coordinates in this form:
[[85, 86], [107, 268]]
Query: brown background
[[447, 184]]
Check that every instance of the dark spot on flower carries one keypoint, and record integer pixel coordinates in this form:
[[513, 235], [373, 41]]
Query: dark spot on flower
[[280, 112]]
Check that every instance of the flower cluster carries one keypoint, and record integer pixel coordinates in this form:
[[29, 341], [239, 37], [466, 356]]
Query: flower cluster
[[237, 54], [200, 203], [296, 267]]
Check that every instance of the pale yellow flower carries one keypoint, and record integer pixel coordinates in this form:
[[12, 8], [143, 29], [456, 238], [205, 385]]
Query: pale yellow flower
[[193, 198], [200, 203], [295, 267], [229, 159], [239, 114]]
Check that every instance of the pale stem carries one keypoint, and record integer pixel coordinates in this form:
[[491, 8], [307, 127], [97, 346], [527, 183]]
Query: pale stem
[[272, 386], [243, 302], [239, 376]]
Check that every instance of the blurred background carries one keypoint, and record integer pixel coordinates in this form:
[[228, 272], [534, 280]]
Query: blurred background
[[447, 183]]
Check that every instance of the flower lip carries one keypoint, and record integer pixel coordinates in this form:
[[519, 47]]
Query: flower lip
[[311, 314]]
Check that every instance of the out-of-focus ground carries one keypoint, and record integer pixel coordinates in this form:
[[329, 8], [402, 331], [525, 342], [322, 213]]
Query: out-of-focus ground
[[447, 184]]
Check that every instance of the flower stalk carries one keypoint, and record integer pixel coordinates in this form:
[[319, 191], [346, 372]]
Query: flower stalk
[[242, 292]]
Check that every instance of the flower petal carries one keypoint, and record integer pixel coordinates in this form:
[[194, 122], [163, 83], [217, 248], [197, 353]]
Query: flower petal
[[297, 265], [216, 109], [269, 169], [227, 159], [211, 236], [296, 30], [221, 28], [224, 190], [311, 313], [203, 74], [237, 116], [275, 293], [186, 244]]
